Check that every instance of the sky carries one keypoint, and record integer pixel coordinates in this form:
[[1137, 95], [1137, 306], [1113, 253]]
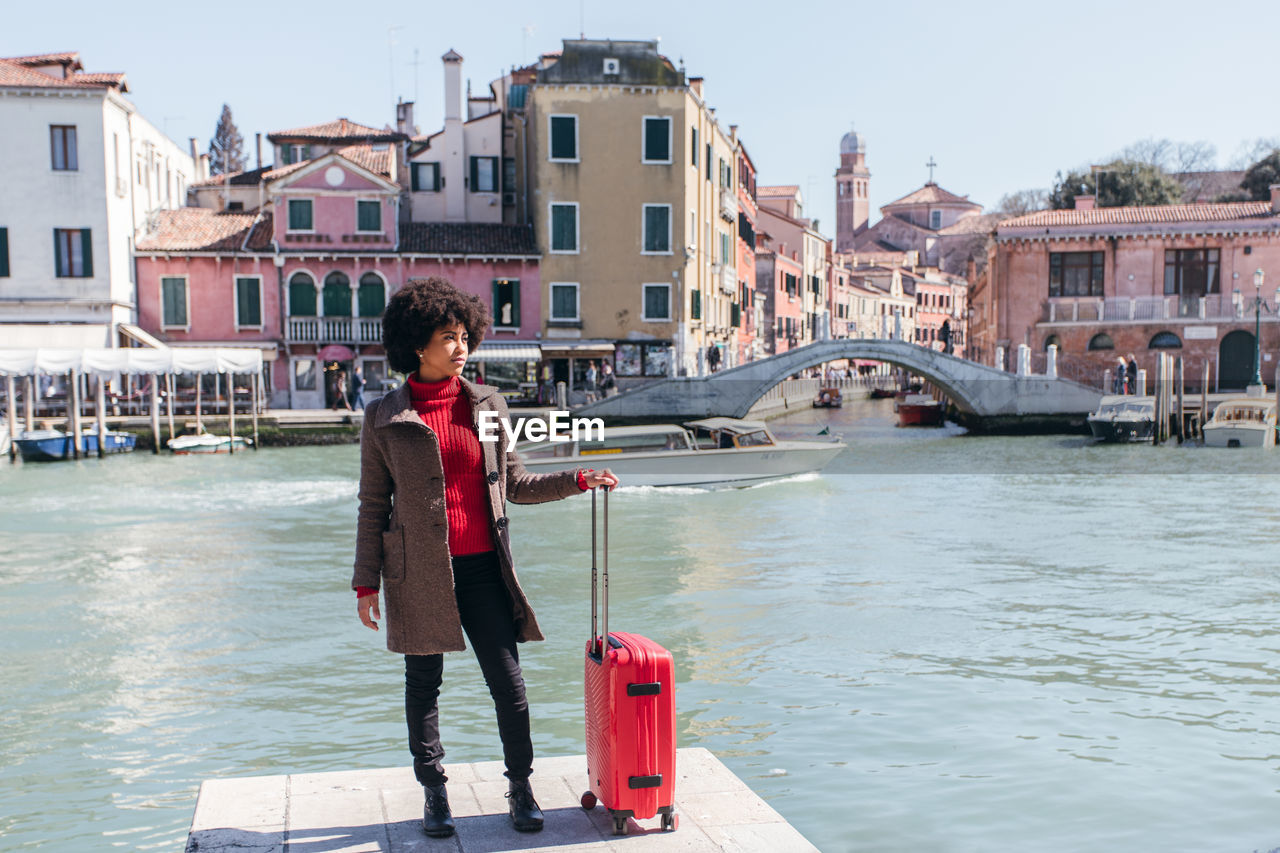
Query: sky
[[1002, 95]]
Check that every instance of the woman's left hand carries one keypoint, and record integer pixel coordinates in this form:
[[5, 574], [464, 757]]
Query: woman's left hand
[[600, 478]]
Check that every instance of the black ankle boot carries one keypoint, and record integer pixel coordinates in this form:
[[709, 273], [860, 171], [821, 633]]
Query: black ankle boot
[[525, 814], [437, 820]]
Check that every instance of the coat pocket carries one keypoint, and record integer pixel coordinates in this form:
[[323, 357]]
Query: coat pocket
[[393, 554]]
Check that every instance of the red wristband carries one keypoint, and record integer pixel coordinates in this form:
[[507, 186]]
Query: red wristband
[[362, 591], [582, 477]]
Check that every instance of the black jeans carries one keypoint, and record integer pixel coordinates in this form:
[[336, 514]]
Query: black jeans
[[485, 607]]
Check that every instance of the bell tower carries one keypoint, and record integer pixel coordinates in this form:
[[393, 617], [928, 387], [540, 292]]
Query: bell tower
[[853, 201]]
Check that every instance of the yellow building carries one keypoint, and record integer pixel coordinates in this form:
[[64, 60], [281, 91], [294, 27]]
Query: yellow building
[[635, 211]]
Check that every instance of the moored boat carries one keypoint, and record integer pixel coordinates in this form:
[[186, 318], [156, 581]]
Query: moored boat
[[882, 393], [828, 398], [50, 445], [1242, 422], [204, 442], [714, 452], [919, 410], [1122, 418]]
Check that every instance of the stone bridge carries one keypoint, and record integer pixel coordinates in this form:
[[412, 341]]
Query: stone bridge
[[985, 397]]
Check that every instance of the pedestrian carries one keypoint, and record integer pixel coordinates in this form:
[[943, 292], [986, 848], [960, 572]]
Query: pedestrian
[[713, 357], [340, 400], [1118, 383], [592, 377], [357, 387], [1131, 374], [432, 534], [608, 384]]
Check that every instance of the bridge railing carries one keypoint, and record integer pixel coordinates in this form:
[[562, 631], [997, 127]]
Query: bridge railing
[[1071, 367]]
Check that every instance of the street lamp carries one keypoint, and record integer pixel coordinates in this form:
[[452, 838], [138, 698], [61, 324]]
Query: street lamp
[[1258, 305]]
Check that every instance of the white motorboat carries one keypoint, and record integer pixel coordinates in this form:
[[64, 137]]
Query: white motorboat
[[1242, 422], [1124, 418], [707, 453], [204, 442]]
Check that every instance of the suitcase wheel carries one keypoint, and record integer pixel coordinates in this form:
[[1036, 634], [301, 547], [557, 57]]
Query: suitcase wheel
[[619, 824], [670, 822], [589, 801]]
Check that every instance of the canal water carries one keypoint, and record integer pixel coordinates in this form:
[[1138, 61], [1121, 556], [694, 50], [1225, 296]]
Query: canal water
[[943, 643]]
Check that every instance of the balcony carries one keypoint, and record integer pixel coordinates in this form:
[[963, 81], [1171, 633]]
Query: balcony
[[334, 330], [728, 276], [728, 205], [1144, 309]]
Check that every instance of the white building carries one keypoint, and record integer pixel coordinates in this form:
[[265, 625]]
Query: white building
[[81, 172]]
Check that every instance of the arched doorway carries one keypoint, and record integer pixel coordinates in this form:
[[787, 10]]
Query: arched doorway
[[1235, 360]]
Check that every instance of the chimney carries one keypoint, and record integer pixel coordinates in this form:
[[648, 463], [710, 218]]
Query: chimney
[[452, 85], [204, 166], [1275, 198], [971, 270], [1085, 202], [404, 117], [695, 83], [257, 139], [195, 156]]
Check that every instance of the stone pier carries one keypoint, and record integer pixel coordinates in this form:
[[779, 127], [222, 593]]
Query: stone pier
[[354, 811]]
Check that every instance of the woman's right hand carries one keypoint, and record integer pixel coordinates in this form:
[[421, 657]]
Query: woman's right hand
[[367, 607]]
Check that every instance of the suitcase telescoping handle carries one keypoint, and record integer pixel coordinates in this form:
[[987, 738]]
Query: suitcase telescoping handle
[[603, 637]]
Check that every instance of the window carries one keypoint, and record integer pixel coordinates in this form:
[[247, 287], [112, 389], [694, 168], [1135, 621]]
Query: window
[[249, 301], [372, 295], [1165, 340], [1075, 274], [564, 227], [484, 174], [368, 215], [1190, 272], [657, 140], [62, 142], [695, 304], [300, 214], [337, 295], [693, 146], [708, 147], [173, 298], [746, 231], [657, 303], [506, 302], [815, 284], [564, 301], [1101, 341], [4, 252], [726, 249], [425, 177], [564, 138], [295, 153], [791, 284], [302, 295], [304, 374], [643, 359], [935, 219], [73, 252], [657, 229], [726, 176]]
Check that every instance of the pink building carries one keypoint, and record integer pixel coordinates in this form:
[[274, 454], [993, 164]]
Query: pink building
[[1103, 283], [750, 324], [779, 295]]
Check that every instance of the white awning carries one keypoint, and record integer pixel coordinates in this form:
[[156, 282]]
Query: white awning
[[506, 352], [106, 362], [270, 350], [140, 335]]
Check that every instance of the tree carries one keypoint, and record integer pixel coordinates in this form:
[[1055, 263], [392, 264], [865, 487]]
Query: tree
[[1120, 183], [226, 149], [1259, 177], [1023, 202]]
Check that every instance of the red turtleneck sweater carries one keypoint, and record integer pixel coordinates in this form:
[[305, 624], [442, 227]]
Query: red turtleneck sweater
[[445, 408]]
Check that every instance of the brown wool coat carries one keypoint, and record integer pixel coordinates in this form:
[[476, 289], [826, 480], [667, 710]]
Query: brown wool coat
[[402, 533]]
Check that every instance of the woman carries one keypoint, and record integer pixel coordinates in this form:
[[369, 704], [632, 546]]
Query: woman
[[433, 534], [1117, 382]]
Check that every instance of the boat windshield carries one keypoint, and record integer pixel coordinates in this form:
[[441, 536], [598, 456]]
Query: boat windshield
[[1241, 413], [755, 438], [646, 442]]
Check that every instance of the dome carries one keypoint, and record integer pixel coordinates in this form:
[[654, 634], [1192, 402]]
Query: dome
[[853, 143]]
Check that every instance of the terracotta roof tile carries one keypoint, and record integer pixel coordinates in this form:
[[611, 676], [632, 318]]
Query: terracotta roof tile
[[441, 238], [342, 130], [973, 224], [931, 193], [71, 57], [1165, 214], [16, 74], [778, 192], [367, 157], [364, 156], [196, 229], [115, 79]]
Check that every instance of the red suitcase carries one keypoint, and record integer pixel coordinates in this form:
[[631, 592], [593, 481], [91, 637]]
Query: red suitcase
[[631, 715]]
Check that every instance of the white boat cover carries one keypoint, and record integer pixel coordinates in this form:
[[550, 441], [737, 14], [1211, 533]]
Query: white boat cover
[[107, 362]]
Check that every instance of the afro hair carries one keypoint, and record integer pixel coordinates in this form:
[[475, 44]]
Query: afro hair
[[418, 309]]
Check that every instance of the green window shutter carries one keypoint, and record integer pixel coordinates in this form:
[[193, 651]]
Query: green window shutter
[[657, 142], [414, 179], [302, 298], [337, 296], [285, 156], [57, 253], [693, 146], [695, 304], [735, 315], [435, 177], [248, 302], [475, 172], [369, 216], [173, 292], [86, 250], [371, 296], [4, 252], [563, 138], [656, 237], [564, 228]]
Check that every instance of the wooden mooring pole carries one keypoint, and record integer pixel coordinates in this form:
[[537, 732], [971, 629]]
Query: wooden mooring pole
[[1204, 399], [100, 413], [155, 413], [231, 411], [1182, 418], [168, 393], [10, 388], [29, 386], [199, 413], [256, 385], [73, 416]]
